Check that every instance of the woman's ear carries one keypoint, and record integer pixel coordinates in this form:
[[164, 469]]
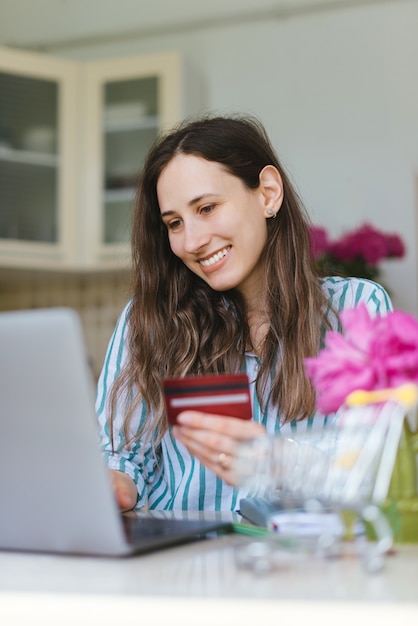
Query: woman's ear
[[271, 189]]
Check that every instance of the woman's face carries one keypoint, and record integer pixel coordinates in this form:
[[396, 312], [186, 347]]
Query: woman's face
[[216, 225]]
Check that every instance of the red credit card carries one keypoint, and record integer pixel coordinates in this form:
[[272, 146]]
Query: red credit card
[[219, 394]]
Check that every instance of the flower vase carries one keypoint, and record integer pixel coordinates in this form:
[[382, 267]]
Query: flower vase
[[401, 505]]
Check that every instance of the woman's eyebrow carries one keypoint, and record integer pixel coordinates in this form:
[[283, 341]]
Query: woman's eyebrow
[[199, 198], [191, 202], [167, 213]]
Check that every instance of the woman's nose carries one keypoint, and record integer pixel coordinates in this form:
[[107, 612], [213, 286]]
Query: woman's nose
[[195, 238]]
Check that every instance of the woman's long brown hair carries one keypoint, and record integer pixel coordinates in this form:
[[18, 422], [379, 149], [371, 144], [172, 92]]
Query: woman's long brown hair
[[179, 326]]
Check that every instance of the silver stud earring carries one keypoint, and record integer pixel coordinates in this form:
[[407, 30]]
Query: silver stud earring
[[270, 213]]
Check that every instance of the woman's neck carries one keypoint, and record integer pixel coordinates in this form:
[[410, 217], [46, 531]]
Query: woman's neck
[[257, 317], [259, 325]]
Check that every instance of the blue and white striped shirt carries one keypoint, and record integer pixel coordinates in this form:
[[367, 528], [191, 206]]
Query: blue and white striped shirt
[[175, 479]]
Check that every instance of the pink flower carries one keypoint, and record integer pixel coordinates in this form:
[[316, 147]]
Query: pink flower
[[365, 242], [373, 353], [395, 348], [395, 246], [318, 240], [364, 245]]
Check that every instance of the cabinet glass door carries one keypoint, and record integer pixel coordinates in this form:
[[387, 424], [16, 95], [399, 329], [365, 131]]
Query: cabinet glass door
[[28, 159], [131, 124]]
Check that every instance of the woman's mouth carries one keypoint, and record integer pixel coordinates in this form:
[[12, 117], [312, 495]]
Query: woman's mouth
[[215, 258]]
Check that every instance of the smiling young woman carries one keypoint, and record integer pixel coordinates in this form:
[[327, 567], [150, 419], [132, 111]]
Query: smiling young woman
[[223, 282], [216, 225]]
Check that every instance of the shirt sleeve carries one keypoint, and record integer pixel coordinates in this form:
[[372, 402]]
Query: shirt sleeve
[[133, 457], [346, 293]]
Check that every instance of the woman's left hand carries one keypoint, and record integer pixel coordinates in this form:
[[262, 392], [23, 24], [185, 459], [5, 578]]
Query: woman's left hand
[[213, 439]]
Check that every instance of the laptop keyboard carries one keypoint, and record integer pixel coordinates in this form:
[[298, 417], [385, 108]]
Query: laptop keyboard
[[140, 530]]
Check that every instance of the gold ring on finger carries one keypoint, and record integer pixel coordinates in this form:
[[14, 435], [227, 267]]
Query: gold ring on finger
[[224, 460]]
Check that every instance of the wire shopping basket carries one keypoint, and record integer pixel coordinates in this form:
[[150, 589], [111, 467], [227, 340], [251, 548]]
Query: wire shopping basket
[[343, 467]]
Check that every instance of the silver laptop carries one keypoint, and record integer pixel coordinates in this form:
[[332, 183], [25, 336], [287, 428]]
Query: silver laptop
[[55, 492]]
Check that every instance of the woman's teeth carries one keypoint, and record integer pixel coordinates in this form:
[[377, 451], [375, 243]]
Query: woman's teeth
[[215, 258]]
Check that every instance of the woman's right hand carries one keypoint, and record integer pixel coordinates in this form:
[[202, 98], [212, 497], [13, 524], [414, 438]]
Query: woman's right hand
[[124, 489], [213, 439]]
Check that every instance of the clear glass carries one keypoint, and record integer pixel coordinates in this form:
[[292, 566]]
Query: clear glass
[[344, 465], [325, 484], [131, 125], [28, 158]]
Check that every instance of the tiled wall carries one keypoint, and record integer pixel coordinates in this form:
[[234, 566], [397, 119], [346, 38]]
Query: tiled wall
[[98, 299]]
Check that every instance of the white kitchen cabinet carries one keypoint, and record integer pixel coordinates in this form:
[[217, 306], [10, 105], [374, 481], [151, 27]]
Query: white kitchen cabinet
[[38, 157], [73, 138]]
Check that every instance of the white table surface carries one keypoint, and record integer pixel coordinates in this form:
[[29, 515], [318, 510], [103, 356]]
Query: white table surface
[[201, 583]]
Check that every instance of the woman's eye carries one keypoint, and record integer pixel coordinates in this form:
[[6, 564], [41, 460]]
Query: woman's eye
[[174, 224], [207, 209]]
